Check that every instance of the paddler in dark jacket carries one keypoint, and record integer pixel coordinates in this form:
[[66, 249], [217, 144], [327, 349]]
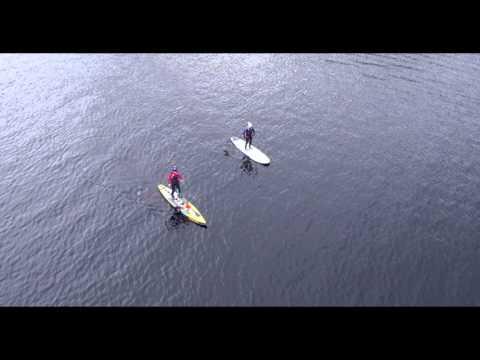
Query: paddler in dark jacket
[[248, 135]]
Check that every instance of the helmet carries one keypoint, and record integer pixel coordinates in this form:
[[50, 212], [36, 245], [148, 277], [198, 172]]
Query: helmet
[[174, 168], [249, 124]]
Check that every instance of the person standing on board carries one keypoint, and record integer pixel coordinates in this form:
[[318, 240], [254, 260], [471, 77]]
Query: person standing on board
[[174, 180], [248, 135]]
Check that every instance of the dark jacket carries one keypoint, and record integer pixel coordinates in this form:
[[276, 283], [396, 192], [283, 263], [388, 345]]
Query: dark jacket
[[249, 132]]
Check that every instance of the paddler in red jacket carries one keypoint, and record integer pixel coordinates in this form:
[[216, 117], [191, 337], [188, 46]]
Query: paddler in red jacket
[[174, 180]]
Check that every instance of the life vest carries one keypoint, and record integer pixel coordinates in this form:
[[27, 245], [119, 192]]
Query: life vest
[[174, 177]]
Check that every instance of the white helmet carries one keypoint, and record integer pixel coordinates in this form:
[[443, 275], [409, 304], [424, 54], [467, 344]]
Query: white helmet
[[249, 125]]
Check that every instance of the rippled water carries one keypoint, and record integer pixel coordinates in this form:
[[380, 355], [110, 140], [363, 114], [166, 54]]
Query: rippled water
[[371, 197]]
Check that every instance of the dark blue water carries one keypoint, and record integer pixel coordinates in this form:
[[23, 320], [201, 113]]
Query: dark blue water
[[372, 196]]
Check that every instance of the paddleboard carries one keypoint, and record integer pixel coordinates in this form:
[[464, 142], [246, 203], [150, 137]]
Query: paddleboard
[[253, 153], [185, 206]]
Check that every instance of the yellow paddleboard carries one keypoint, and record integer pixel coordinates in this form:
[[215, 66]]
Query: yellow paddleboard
[[186, 207]]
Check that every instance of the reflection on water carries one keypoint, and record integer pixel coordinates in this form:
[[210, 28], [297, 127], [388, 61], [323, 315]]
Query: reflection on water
[[176, 220], [248, 166]]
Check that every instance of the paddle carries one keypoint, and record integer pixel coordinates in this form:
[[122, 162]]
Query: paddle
[[180, 193]]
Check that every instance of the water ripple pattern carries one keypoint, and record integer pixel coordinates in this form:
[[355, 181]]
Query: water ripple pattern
[[371, 197]]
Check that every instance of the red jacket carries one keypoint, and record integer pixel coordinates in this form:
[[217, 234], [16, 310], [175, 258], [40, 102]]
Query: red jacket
[[174, 174]]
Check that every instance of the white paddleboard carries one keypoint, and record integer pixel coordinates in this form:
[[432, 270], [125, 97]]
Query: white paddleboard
[[253, 153]]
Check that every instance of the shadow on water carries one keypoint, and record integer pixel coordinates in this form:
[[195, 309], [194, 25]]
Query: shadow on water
[[176, 221], [248, 166]]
